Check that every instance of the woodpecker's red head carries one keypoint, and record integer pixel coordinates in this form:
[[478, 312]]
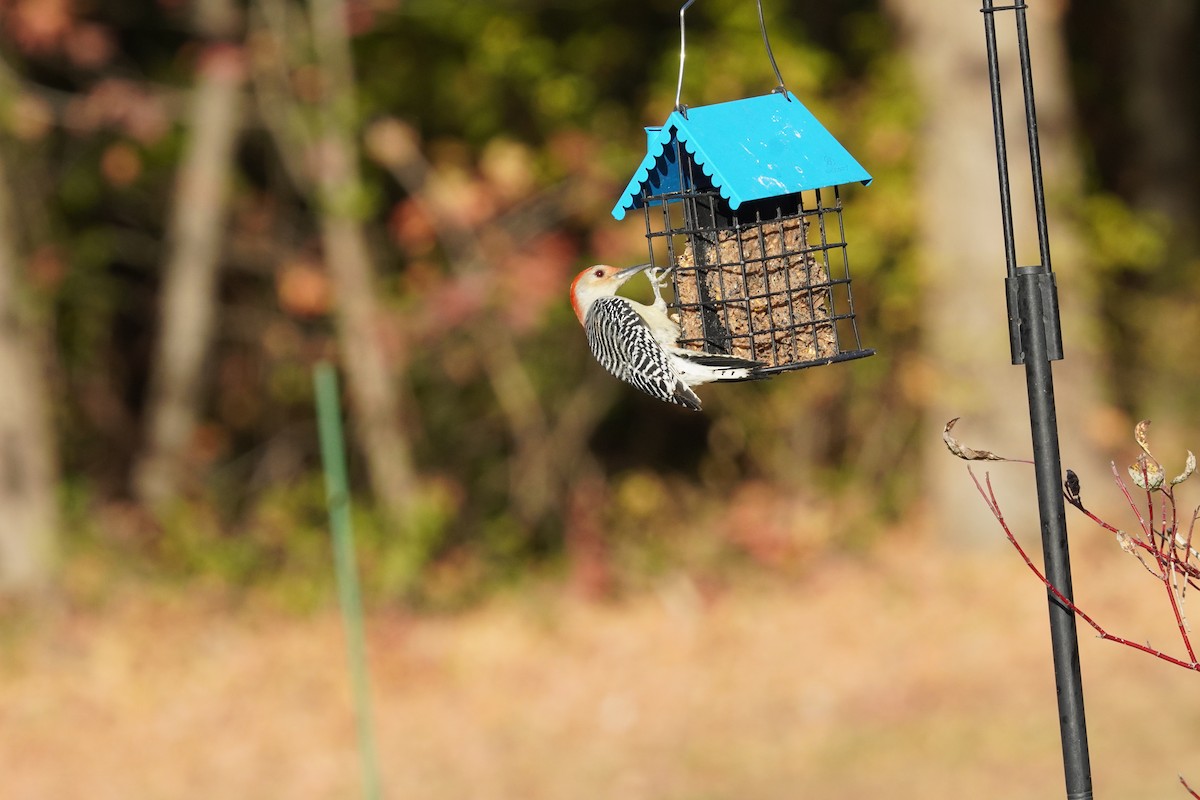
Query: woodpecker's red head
[[598, 281]]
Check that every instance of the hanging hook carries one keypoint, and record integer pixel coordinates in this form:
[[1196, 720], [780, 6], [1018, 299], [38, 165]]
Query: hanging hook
[[762, 24], [682, 55]]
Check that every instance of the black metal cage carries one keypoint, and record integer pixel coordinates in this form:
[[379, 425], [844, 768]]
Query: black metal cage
[[768, 281]]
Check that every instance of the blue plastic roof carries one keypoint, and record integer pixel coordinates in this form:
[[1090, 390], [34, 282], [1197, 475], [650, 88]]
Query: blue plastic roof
[[752, 149]]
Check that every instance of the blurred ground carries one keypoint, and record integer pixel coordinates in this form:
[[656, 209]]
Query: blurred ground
[[905, 673]]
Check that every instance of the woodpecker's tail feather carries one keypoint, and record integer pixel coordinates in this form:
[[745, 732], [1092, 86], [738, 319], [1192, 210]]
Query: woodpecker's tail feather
[[726, 368], [718, 360], [684, 396]]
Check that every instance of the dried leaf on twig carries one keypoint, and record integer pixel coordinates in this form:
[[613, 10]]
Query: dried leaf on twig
[[1188, 469], [1147, 473], [970, 453], [1139, 436], [1071, 489]]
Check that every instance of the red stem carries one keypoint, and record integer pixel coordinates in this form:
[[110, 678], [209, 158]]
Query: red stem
[[1150, 544], [1097, 520], [1129, 499], [1187, 642]]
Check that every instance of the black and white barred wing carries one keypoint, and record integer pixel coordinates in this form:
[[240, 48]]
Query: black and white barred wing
[[623, 344]]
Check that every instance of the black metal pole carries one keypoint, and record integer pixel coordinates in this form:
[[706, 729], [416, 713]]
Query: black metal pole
[[1064, 640], [1036, 340]]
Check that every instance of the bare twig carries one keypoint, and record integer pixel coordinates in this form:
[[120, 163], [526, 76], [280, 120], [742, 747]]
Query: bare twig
[[993, 505], [1171, 551], [1129, 499], [970, 453]]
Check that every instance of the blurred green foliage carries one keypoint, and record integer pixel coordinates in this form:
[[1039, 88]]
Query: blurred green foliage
[[529, 116]]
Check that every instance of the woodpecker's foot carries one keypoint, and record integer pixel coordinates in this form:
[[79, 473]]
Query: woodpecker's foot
[[658, 280]]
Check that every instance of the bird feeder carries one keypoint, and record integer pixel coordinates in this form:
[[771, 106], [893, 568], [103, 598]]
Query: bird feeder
[[743, 208], [742, 203]]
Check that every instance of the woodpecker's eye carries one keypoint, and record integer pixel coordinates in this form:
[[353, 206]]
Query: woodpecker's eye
[[599, 273]]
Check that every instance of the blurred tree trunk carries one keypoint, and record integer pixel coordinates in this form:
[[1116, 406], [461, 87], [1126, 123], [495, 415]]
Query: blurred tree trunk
[[968, 372], [28, 467], [1157, 64], [375, 400], [1159, 87], [194, 240]]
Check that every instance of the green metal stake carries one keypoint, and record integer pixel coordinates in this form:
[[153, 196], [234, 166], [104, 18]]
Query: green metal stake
[[337, 494]]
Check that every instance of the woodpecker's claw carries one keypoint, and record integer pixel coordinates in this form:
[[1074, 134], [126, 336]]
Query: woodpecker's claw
[[658, 280]]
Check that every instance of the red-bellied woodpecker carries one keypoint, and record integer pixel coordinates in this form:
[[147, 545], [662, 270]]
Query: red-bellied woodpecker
[[639, 343]]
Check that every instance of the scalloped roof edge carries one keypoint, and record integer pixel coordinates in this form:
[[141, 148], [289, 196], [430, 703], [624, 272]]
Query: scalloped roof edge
[[753, 148]]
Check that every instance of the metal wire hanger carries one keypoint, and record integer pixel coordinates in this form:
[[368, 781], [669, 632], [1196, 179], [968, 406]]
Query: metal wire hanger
[[762, 25]]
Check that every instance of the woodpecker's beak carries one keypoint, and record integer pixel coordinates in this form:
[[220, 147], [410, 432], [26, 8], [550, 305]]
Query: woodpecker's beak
[[629, 272]]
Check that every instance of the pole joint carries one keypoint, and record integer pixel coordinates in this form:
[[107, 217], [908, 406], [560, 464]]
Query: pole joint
[[1024, 318]]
